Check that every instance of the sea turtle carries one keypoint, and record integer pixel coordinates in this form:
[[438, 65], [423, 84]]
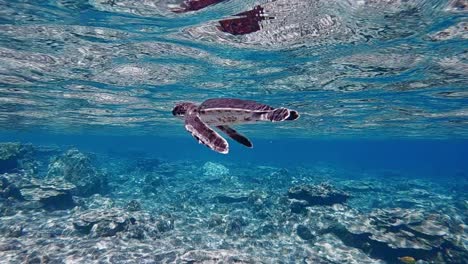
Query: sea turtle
[[221, 112]]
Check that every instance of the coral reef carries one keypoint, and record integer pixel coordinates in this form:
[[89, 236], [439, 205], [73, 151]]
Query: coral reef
[[218, 256], [51, 194], [310, 195], [190, 212], [76, 168], [391, 233], [211, 169], [8, 189], [115, 221], [16, 156]]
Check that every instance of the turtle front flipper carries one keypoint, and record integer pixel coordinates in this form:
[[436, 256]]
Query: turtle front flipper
[[204, 134], [236, 136]]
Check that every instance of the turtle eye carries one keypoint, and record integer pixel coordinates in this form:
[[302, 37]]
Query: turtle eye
[[178, 111], [174, 111]]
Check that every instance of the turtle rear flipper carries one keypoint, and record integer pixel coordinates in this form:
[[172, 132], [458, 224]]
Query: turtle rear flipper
[[204, 134], [236, 136], [282, 114], [293, 115]]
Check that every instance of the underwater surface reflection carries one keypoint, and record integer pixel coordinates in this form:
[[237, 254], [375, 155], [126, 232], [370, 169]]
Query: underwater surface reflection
[[364, 68]]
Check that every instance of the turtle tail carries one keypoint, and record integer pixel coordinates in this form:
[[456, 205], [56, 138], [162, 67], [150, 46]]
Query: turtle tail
[[282, 114]]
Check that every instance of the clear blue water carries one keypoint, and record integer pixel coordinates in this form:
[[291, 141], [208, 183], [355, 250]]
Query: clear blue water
[[381, 86]]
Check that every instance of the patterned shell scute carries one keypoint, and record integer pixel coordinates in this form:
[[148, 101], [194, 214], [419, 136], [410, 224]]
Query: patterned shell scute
[[230, 103]]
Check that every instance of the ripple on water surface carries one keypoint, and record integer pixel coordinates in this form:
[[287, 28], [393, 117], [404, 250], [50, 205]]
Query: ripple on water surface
[[404, 60]]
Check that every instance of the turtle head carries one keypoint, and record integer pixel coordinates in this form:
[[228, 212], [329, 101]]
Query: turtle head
[[182, 108]]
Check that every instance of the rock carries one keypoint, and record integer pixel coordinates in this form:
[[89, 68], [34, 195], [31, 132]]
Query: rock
[[167, 170], [304, 232], [152, 182], [211, 169], [267, 229], [13, 231], [117, 222], [378, 249], [7, 207], [9, 154], [53, 194], [235, 225], [457, 31], [15, 244], [16, 156], [457, 6], [8, 189], [215, 220], [102, 223], [95, 201], [20, 180], [432, 225], [36, 257], [385, 224], [76, 168], [136, 232], [391, 233], [108, 228], [143, 226], [360, 186], [258, 199], [48, 198], [298, 206], [147, 164], [133, 206], [215, 256], [165, 257], [231, 198], [322, 194], [165, 224]]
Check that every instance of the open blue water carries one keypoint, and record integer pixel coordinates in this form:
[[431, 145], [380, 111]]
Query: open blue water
[[94, 168]]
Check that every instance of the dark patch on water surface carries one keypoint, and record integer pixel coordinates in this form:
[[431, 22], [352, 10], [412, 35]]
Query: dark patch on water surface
[[194, 5], [248, 22]]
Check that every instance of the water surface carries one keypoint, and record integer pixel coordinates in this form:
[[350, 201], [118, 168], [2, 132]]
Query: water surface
[[374, 171]]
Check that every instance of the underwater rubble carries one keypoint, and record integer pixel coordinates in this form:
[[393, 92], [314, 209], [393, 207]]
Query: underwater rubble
[[147, 210]]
